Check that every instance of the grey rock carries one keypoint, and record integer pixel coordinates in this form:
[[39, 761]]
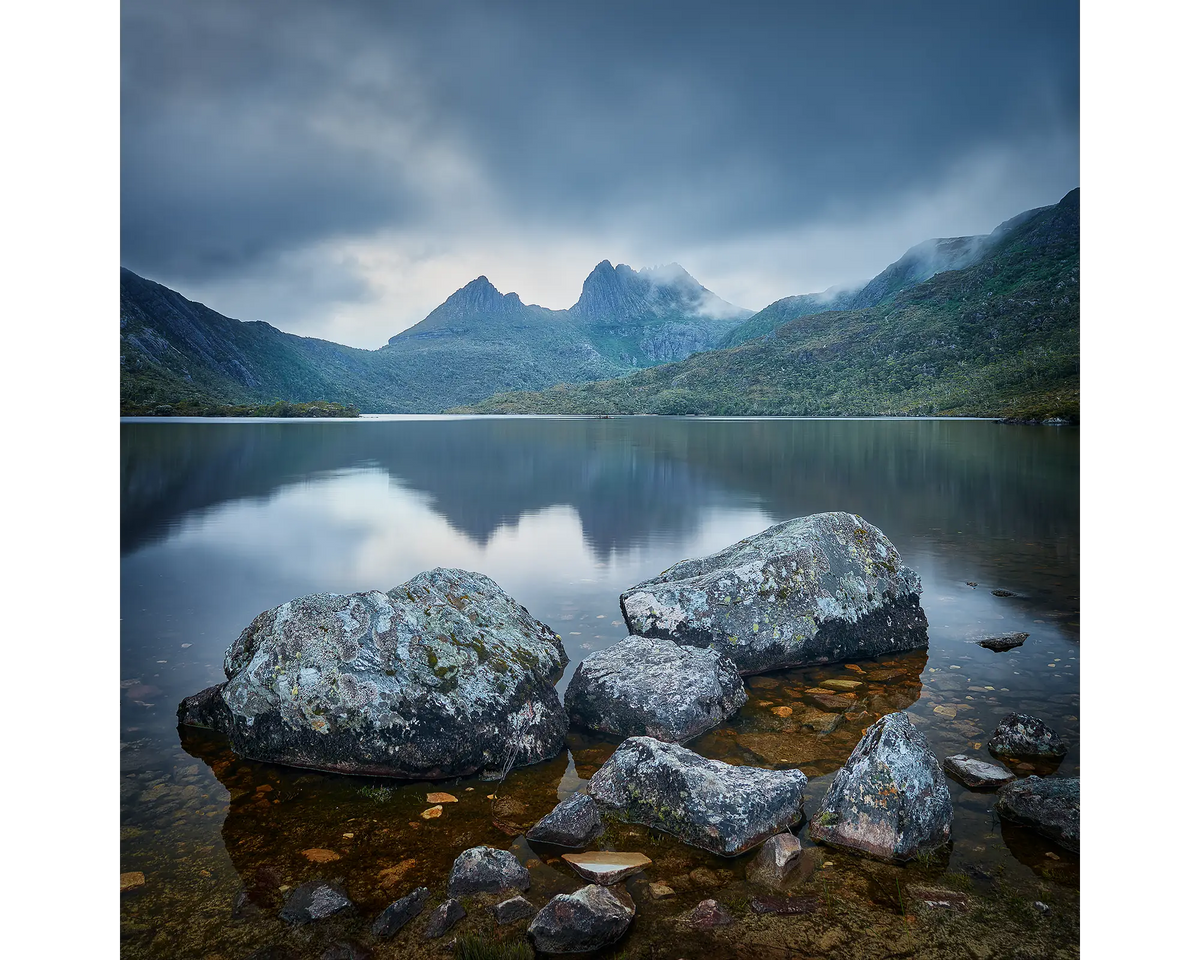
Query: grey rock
[[315, 900], [708, 914], [445, 675], [1020, 735], [575, 822], [780, 861], [397, 914], [486, 870], [890, 800], [588, 919], [444, 916], [715, 806], [655, 688], [1003, 642], [1050, 805], [976, 773], [812, 590], [511, 910]]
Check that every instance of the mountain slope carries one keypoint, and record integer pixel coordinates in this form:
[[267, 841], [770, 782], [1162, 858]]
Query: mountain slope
[[998, 338]]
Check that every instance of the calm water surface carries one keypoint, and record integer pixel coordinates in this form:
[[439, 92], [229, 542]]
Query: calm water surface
[[222, 520]]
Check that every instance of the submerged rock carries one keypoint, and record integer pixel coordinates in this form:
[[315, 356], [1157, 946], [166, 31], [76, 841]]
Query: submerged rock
[[575, 822], [1020, 735], [445, 675], [315, 900], [585, 920], [976, 773], [781, 861], [656, 688], [396, 915], [890, 800], [708, 914], [444, 916], [811, 590], [715, 806], [487, 870], [1048, 804], [607, 866]]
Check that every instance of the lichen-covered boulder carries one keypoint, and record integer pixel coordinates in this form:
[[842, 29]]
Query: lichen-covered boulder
[[588, 919], [1048, 804], [486, 870], [890, 800], [574, 822], [812, 590], [654, 688], [443, 676], [1020, 735], [715, 806]]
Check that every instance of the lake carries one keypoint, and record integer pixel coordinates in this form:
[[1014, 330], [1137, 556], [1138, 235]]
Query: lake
[[221, 520]]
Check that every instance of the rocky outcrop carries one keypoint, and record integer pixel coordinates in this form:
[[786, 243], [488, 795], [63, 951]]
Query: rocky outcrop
[[445, 675], [1048, 804], [397, 914], [890, 800], [579, 922], [486, 870], [654, 688], [1020, 735], [715, 806], [812, 590], [315, 900], [574, 822]]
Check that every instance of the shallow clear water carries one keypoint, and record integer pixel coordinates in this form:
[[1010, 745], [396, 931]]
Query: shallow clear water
[[221, 520]]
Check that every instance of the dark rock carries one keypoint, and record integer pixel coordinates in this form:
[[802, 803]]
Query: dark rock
[[588, 919], [395, 916], [513, 909], [786, 906], [811, 590], [1005, 641], [243, 906], [315, 900], [486, 870], [975, 773], [1002, 593], [346, 950], [1050, 805], [890, 800], [782, 861], [655, 688], [1020, 735], [708, 914], [444, 916], [715, 806], [445, 675], [575, 822]]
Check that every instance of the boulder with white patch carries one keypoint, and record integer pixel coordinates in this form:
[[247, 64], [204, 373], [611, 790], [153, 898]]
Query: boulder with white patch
[[443, 676], [656, 688], [816, 589], [890, 801], [719, 807]]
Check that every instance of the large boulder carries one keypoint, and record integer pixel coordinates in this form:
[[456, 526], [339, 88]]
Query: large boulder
[[574, 822], [890, 800], [1048, 804], [811, 590], [654, 688], [579, 922], [443, 676], [1020, 735], [715, 806]]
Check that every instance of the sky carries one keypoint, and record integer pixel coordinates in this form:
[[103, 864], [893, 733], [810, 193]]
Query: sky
[[339, 170]]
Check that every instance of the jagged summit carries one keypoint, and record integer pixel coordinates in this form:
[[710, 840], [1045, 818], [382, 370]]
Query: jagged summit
[[651, 292]]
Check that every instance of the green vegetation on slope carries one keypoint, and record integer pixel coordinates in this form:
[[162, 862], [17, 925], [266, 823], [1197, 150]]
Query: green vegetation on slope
[[998, 339], [280, 408]]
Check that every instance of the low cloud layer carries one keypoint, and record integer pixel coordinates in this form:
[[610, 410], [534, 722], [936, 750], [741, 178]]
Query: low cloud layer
[[339, 169]]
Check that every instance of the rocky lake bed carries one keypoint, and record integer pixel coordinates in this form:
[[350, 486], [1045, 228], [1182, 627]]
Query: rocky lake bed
[[707, 819]]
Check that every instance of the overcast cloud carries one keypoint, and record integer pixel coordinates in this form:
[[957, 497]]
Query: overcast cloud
[[339, 169]]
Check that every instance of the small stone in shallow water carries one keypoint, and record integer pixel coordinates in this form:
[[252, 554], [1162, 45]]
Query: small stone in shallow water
[[660, 891], [1002, 593], [320, 855], [511, 910], [445, 916], [575, 822], [976, 773], [399, 913], [440, 798], [842, 685], [315, 900], [432, 813], [782, 711], [132, 880], [946, 710], [607, 867], [708, 914]]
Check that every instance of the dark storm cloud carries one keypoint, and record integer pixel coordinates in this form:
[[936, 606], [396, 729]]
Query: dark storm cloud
[[254, 130]]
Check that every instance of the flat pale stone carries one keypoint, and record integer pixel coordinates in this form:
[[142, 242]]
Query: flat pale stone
[[320, 855], [841, 684], [431, 813], [660, 891], [976, 773], [132, 880], [782, 711], [606, 866], [440, 798]]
